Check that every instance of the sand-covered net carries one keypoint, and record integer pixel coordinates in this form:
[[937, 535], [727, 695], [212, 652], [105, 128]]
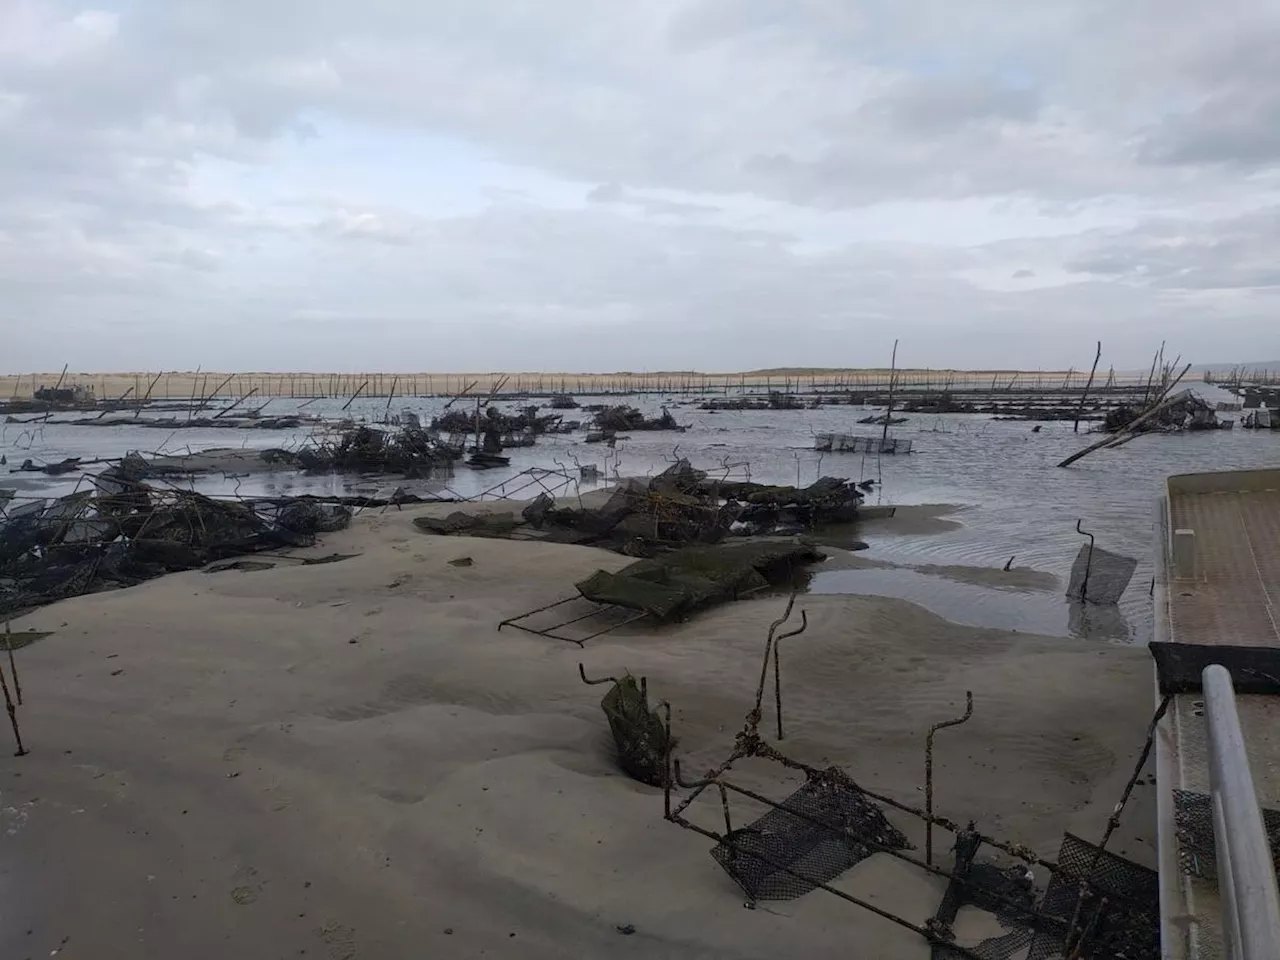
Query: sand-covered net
[[677, 583]]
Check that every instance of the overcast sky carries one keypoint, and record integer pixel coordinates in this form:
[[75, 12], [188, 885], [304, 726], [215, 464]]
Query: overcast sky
[[674, 184]]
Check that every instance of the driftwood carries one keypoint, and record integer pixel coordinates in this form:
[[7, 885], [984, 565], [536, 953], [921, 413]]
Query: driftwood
[[1127, 433]]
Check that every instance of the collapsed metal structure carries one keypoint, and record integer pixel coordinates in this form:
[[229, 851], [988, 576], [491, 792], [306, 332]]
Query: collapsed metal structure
[[1095, 905]]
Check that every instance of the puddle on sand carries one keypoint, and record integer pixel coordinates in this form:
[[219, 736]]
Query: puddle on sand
[[1044, 612]]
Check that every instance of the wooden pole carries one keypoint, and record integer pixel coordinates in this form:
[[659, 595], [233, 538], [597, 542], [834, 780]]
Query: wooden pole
[[1118, 438], [888, 414], [1080, 409], [390, 396], [354, 395], [221, 414]]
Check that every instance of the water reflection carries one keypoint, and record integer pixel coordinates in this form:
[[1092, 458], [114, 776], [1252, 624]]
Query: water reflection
[[1017, 502], [1045, 612]]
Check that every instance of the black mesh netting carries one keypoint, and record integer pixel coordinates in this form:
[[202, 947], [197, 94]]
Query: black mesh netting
[[1197, 852], [1007, 892], [821, 830], [1119, 913], [640, 736], [1118, 917], [1179, 666], [672, 585]]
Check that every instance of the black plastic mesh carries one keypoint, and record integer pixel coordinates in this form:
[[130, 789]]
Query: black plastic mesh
[[837, 827], [1197, 852], [1119, 912], [1006, 892], [1179, 666], [640, 736]]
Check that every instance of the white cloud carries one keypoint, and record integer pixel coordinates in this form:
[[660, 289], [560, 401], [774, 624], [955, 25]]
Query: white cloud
[[679, 180]]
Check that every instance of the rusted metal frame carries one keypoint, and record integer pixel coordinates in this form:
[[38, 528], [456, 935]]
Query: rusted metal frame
[[644, 684], [511, 621], [599, 633], [924, 932], [928, 771], [1071, 944], [750, 745], [13, 667], [545, 633], [777, 670], [878, 847], [704, 783], [549, 630], [13, 716]]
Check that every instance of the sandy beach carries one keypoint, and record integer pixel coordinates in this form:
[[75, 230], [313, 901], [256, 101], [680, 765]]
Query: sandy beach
[[349, 761]]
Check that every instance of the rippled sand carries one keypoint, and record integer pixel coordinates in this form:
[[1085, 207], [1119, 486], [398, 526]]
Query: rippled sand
[[350, 761]]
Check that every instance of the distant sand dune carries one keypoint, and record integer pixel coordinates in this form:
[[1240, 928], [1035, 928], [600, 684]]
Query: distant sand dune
[[189, 383]]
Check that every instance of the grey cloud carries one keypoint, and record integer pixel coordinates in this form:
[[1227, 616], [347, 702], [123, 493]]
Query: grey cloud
[[658, 206], [931, 105], [709, 112], [1233, 81], [193, 259], [1234, 254]]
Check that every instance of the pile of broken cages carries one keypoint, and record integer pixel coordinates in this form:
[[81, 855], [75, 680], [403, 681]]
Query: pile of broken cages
[[1096, 904]]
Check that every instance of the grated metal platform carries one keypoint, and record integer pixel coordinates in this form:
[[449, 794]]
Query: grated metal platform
[[1233, 599]]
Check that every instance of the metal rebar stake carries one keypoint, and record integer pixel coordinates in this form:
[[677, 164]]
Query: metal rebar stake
[[928, 772]]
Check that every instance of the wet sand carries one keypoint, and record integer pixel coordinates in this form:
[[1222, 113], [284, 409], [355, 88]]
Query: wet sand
[[350, 761]]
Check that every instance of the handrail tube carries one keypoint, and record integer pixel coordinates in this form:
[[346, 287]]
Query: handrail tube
[[1247, 880]]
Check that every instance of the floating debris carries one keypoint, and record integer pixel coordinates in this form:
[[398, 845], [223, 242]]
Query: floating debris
[[775, 400], [621, 419], [410, 451], [848, 443]]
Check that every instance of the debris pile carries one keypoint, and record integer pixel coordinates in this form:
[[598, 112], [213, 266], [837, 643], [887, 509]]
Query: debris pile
[[774, 401], [785, 509], [677, 508], [411, 451], [495, 421], [1187, 412], [127, 532], [623, 419], [676, 584]]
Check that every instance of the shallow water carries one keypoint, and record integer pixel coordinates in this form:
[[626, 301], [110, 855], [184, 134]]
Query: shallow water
[[1015, 501]]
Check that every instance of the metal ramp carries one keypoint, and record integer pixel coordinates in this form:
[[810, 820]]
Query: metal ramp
[[1217, 584]]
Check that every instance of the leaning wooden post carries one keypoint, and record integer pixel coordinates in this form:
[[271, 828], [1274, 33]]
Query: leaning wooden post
[[1084, 396]]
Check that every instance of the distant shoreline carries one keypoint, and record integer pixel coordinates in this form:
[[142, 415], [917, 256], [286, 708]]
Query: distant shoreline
[[190, 383]]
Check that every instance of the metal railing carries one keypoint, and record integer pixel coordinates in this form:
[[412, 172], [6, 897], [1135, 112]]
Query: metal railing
[[1246, 877]]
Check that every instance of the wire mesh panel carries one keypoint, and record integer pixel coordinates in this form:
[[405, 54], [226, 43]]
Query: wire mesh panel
[[1118, 915], [640, 737], [1197, 852], [820, 831]]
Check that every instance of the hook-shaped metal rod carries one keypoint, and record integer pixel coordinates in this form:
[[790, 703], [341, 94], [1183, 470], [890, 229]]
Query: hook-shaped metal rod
[[13, 716], [928, 772], [13, 667], [704, 783], [583, 674], [754, 716], [1088, 562], [689, 784], [777, 669]]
